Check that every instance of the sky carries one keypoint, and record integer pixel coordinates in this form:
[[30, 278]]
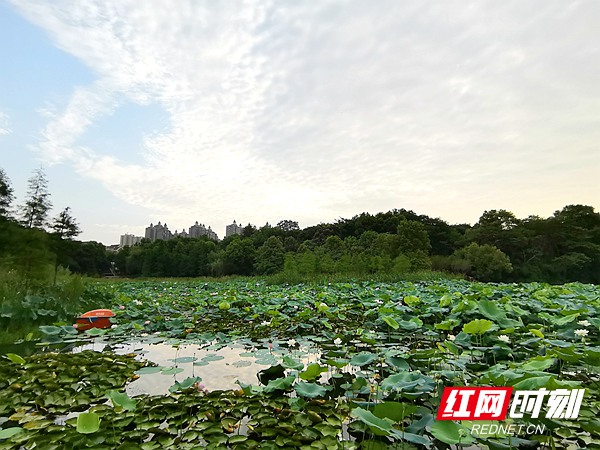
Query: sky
[[260, 111]]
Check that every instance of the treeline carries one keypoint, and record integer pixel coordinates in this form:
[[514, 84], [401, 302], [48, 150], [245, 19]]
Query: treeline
[[34, 245], [499, 247]]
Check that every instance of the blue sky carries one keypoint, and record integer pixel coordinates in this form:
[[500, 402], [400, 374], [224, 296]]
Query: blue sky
[[268, 110]]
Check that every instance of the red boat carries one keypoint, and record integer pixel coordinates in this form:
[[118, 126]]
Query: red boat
[[98, 318]]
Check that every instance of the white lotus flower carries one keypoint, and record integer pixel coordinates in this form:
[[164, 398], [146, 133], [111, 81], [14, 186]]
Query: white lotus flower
[[581, 333], [585, 323], [504, 338], [337, 341], [292, 342], [451, 337]]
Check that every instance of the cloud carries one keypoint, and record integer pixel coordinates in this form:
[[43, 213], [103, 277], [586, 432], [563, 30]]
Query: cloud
[[316, 110], [4, 124]]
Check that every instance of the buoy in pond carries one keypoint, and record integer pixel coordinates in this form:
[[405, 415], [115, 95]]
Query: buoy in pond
[[98, 318]]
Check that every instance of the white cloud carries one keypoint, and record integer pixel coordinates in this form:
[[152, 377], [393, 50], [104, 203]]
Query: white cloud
[[4, 124], [317, 110]]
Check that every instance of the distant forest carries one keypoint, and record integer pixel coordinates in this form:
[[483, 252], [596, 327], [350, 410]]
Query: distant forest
[[499, 247]]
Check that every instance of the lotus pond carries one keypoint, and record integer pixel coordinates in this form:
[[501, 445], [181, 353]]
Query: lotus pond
[[190, 365]]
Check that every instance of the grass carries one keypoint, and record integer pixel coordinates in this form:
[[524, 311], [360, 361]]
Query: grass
[[26, 304], [295, 278]]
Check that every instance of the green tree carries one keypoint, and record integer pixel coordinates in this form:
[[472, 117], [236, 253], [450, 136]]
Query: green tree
[[249, 230], [501, 229], [484, 262], [270, 257], [34, 213], [413, 242], [31, 255], [65, 225], [239, 257], [306, 262], [412, 237], [334, 247], [6, 195], [288, 225]]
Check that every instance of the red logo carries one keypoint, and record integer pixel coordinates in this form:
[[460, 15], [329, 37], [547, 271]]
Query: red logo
[[474, 403]]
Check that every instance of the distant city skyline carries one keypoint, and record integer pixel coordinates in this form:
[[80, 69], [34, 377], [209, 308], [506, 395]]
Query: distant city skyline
[[307, 111]]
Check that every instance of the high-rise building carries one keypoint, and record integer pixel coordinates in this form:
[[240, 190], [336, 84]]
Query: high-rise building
[[161, 232], [182, 234], [232, 229], [158, 232], [197, 230], [211, 234], [127, 240]]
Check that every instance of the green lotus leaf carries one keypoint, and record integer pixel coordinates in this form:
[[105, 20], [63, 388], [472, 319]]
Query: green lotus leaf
[[280, 384], [148, 370], [451, 433], [185, 384], [379, 426], [362, 359], [121, 400], [88, 423], [171, 370], [490, 310], [312, 372], [395, 411], [184, 359], [477, 326], [290, 363], [211, 358], [412, 300], [96, 332], [310, 390], [409, 382], [538, 363], [15, 358], [391, 322], [447, 325], [9, 432], [50, 330]]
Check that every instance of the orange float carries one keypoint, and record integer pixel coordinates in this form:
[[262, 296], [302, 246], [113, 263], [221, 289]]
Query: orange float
[[98, 318]]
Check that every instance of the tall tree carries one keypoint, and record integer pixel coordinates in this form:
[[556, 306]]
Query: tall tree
[[65, 227], [34, 213], [64, 224], [6, 195], [288, 225]]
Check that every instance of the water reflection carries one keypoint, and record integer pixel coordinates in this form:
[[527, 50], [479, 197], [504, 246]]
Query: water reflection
[[218, 365]]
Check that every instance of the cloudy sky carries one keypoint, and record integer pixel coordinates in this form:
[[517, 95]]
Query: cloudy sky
[[305, 110]]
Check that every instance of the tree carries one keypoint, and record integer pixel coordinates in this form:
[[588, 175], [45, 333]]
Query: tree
[[34, 212], [270, 257], [249, 230], [6, 195], [412, 237], [239, 257], [288, 225], [484, 262], [413, 242], [64, 225]]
